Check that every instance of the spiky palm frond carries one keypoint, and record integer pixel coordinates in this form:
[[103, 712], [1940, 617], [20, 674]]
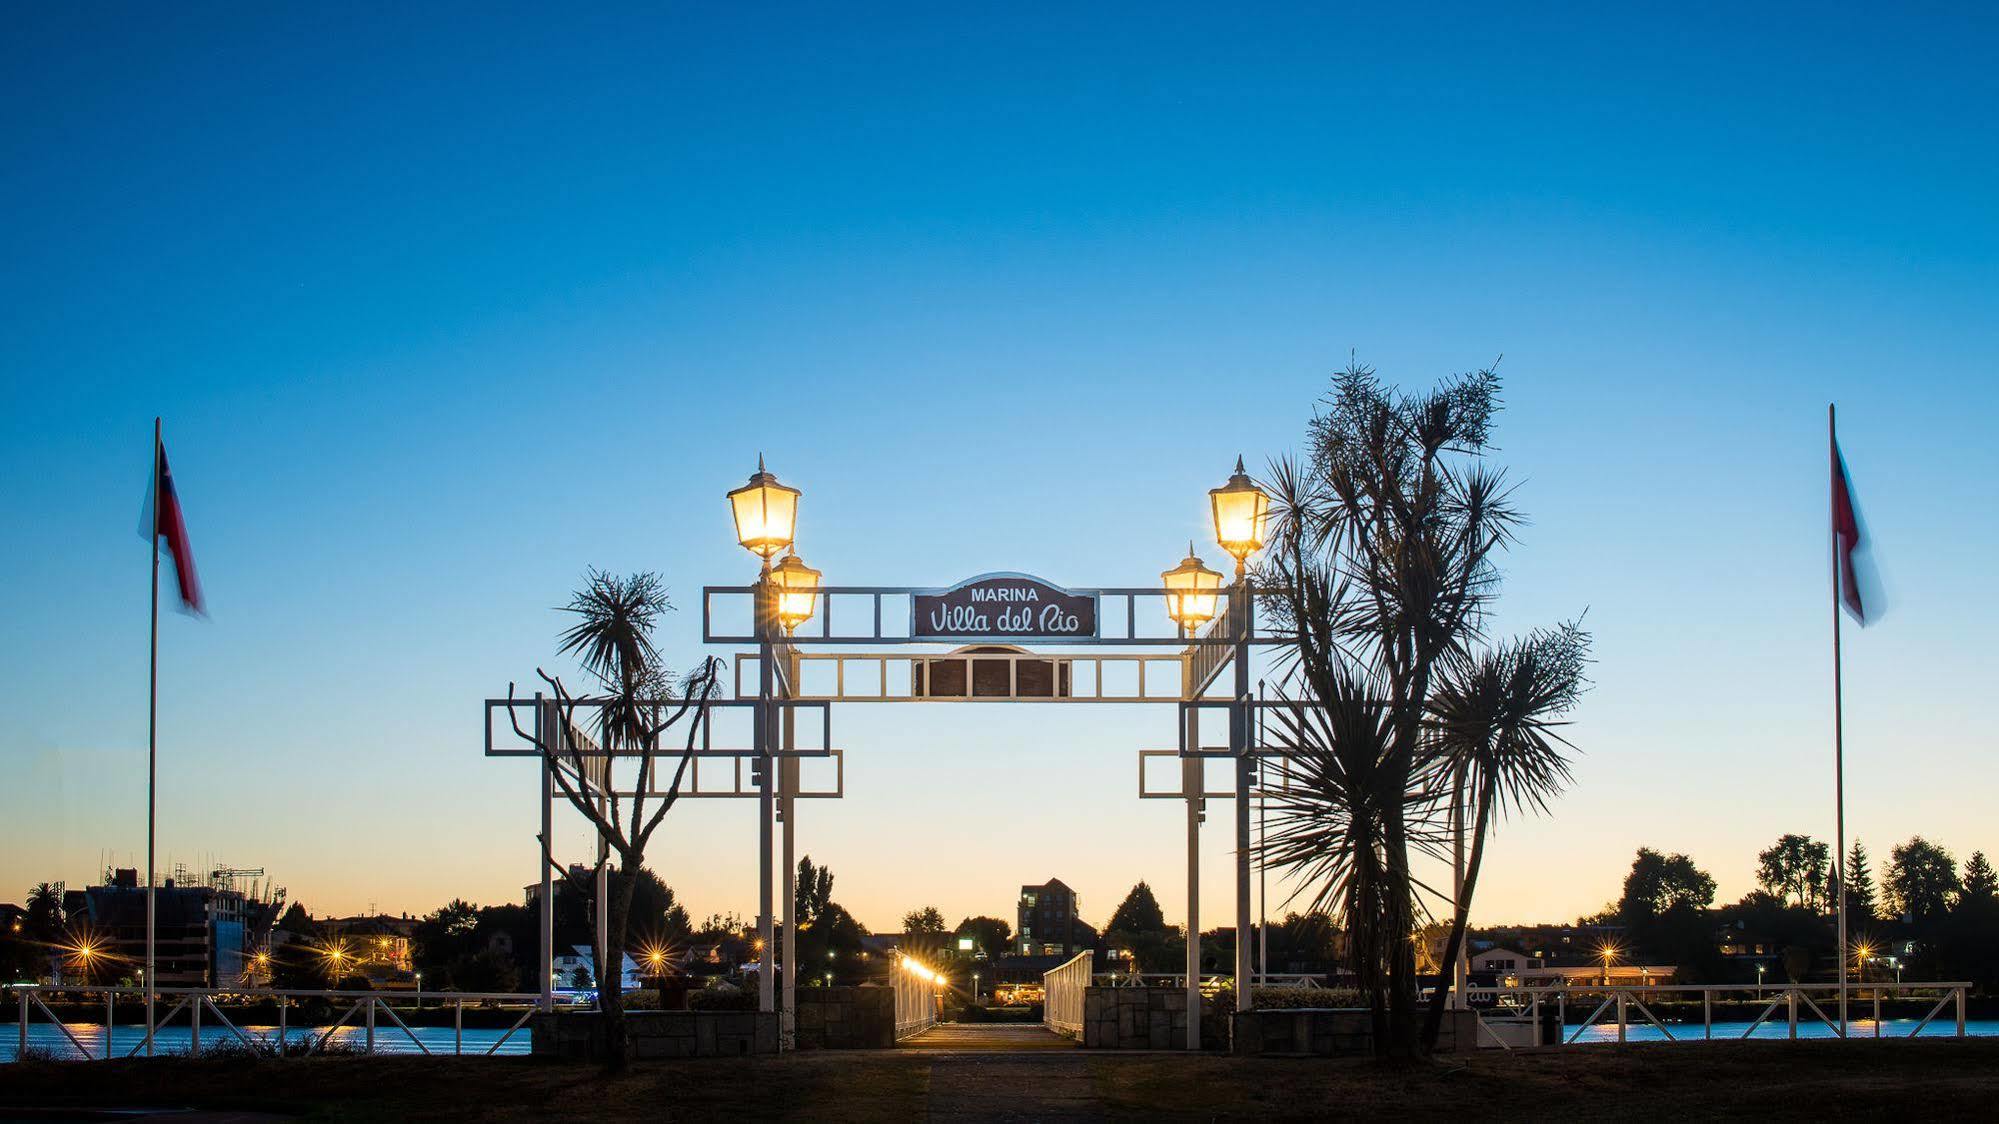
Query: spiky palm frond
[[1495, 718], [613, 642]]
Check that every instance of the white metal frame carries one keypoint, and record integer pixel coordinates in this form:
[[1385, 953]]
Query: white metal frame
[[1063, 990]]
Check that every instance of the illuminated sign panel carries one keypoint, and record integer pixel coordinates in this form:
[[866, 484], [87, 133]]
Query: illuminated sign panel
[[1002, 607]]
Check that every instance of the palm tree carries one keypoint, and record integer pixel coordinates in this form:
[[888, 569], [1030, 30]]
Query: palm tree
[[1380, 575], [1494, 721], [1380, 570], [1331, 814], [612, 639], [44, 914]]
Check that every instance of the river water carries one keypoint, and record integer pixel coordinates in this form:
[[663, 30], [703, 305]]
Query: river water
[[48, 1039]]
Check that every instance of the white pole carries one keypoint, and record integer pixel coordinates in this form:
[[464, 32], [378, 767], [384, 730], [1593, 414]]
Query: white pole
[[1262, 870], [1191, 782], [766, 805], [1245, 768], [788, 776], [152, 748], [545, 714], [1838, 742]]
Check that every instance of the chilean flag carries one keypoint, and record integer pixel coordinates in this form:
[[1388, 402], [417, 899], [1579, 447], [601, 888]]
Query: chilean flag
[[1857, 581], [164, 520]]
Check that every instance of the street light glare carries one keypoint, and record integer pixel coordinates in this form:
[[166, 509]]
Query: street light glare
[[766, 514], [1242, 516], [1190, 591]]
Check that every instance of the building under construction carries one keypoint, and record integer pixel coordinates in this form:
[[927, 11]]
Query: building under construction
[[205, 931]]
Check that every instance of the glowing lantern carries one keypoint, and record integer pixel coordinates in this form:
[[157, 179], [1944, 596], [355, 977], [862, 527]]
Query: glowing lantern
[[766, 514], [1190, 591], [797, 588], [1242, 510]]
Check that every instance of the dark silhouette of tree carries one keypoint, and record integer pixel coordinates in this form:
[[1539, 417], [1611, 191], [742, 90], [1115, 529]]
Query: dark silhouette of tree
[[832, 943], [1660, 884], [488, 970], [925, 920], [1861, 902], [1381, 567], [814, 892], [1139, 912], [1795, 867], [44, 919], [1138, 932], [1980, 888], [641, 706], [1921, 882], [1304, 942], [442, 937], [990, 935], [1969, 940]]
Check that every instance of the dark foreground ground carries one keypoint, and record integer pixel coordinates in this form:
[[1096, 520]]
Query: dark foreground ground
[[1926, 1080]]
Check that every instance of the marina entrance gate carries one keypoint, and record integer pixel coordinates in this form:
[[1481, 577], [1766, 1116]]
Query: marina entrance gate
[[798, 651]]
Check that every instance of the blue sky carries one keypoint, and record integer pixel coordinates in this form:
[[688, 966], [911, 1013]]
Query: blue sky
[[442, 308]]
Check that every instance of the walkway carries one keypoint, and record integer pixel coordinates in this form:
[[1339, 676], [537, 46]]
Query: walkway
[[988, 1038]]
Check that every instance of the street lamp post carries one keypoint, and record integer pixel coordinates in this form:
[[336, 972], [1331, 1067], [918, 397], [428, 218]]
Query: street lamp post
[[766, 517], [1241, 513]]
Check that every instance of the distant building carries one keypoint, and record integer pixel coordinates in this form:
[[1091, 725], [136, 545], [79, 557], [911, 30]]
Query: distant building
[[583, 957], [377, 940], [1048, 921], [201, 933], [1500, 961], [578, 875]]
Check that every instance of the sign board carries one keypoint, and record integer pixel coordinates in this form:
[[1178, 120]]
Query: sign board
[[1002, 607]]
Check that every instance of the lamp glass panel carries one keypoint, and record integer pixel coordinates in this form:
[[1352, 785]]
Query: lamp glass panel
[[797, 590], [1190, 592], [766, 516], [1240, 517]]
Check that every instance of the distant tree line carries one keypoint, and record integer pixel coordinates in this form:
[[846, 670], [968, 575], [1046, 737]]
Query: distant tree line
[[1935, 918]]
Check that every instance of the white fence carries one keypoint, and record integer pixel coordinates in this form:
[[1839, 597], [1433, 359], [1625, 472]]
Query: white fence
[[363, 1010], [915, 997], [1062, 995], [1624, 1006]]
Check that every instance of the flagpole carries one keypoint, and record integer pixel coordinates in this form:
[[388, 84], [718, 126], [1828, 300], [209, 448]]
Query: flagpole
[[152, 740], [1838, 731]]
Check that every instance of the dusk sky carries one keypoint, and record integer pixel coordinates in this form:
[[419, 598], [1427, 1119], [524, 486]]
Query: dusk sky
[[441, 310]]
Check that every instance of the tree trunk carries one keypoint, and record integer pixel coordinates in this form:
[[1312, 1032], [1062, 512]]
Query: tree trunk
[[1364, 935], [611, 969], [1461, 911], [1398, 931]]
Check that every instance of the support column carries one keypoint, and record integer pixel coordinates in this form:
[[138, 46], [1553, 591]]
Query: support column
[[545, 717], [787, 773], [1192, 784], [766, 803], [1245, 776]]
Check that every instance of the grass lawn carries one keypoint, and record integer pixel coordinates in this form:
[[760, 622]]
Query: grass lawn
[[1807, 1080]]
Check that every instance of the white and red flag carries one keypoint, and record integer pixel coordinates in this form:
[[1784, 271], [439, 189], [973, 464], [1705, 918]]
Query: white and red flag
[[164, 520]]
